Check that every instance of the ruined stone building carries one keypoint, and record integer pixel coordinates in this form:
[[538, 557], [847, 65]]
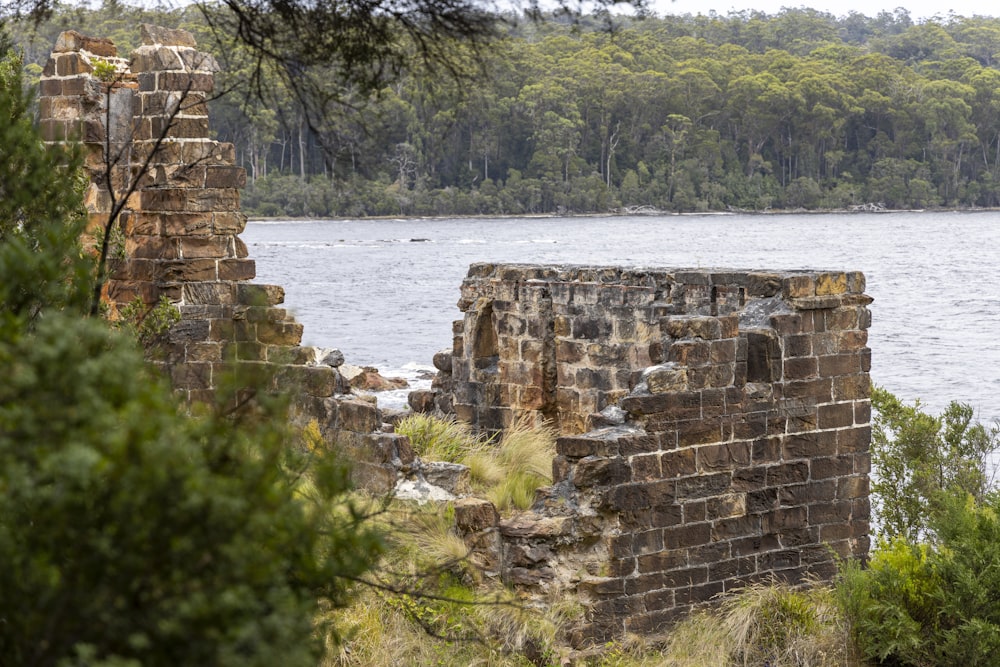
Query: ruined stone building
[[714, 424]]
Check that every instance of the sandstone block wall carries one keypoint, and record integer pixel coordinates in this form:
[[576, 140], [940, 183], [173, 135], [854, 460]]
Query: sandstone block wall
[[143, 124], [715, 429]]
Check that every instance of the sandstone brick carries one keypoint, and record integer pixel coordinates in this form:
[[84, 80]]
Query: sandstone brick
[[784, 519], [201, 247], [794, 287], [806, 445], [820, 389], [192, 376], [597, 471], [208, 293], [838, 415], [279, 333], [187, 271], [225, 177], [780, 560], [805, 494], [260, 295], [723, 457], [788, 473], [831, 283], [701, 486]]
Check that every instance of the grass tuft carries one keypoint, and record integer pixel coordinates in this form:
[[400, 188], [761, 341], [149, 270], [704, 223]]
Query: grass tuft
[[437, 439], [766, 624]]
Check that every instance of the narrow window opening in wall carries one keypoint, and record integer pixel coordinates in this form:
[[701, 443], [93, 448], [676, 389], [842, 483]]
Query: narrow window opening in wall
[[485, 351], [763, 356]]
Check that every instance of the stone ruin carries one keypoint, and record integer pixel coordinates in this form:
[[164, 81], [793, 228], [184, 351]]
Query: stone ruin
[[715, 429], [714, 424], [181, 221]]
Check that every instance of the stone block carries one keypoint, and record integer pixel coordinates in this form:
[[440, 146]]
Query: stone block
[[151, 35], [665, 379], [726, 456], [837, 415], [832, 466], [703, 486], [202, 247], [421, 400], [188, 271], [784, 519], [151, 58], [208, 293], [475, 514], [192, 376], [71, 40], [225, 177], [798, 286], [839, 364], [237, 269], [279, 333], [530, 525], [831, 283], [800, 368], [232, 222], [197, 61], [645, 467], [796, 472], [260, 295], [183, 81], [598, 471], [359, 416], [452, 477]]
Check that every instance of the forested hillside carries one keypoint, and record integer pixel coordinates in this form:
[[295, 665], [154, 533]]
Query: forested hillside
[[680, 113]]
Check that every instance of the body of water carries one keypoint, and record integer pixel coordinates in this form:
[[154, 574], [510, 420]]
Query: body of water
[[384, 291]]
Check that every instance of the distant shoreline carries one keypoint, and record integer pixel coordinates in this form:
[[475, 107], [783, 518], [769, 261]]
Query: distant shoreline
[[621, 214]]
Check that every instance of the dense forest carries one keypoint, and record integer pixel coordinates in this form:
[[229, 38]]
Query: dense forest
[[799, 110]]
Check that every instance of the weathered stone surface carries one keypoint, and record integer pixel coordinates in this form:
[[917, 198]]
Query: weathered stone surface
[[452, 477], [666, 378], [71, 40], [475, 514], [422, 400], [152, 35]]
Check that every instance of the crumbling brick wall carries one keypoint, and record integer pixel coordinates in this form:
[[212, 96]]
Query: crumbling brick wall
[[715, 430], [151, 163]]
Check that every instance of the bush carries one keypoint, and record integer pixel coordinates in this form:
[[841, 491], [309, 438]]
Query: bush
[[932, 604], [919, 459], [929, 594]]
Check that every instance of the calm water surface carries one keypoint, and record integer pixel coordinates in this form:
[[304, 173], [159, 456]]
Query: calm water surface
[[384, 291]]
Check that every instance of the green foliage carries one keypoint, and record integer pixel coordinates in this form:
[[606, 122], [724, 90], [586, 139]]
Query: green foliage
[[928, 596], [932, 604], [436, 439], [920, 459], [130, 532], [148, 324], [41, 214]]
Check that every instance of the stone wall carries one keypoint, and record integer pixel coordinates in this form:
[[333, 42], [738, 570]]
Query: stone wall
[[143, 125], [715, 430]]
